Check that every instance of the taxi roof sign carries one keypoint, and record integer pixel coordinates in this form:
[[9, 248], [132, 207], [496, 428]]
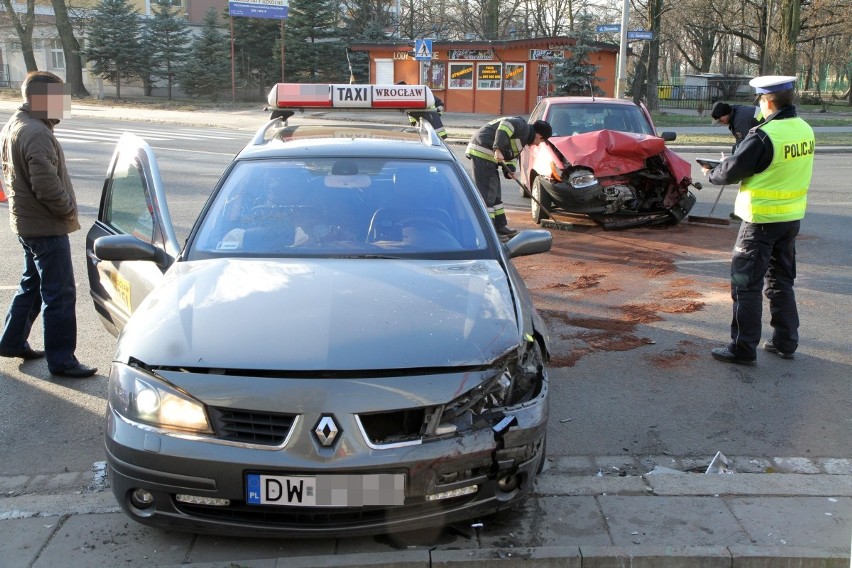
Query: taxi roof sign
[[350, 97]]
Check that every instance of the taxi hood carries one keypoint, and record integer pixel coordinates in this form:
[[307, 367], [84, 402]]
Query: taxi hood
[[328, 314]]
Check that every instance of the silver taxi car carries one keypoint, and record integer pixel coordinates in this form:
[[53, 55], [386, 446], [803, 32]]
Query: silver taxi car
[[342, 345]]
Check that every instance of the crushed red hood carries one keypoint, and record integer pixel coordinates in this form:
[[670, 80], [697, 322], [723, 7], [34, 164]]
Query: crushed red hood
[[611, 153]]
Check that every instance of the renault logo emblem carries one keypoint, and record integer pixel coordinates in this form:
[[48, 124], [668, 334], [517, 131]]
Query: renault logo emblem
[[326, 430]]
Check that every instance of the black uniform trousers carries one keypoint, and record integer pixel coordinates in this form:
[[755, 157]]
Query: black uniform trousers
[[486, 176], [764, 262]]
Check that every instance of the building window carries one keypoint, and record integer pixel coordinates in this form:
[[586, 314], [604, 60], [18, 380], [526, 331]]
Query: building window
[[461, 75], [435, 75], [488, 75], [57, 55], [516, 76]]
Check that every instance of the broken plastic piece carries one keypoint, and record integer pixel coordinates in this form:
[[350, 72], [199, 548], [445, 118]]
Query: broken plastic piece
[[720, 464], [660, 469]]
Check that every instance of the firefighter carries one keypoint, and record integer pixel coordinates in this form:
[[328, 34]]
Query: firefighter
[[738, 118], [498, 145], [775, 164], [431, 115]]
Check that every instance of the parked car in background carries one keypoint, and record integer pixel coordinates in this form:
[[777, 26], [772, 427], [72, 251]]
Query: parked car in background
[[605, 161], [342, 346]]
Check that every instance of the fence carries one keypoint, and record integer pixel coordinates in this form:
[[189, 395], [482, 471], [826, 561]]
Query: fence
[[688, 96], [4, 76]]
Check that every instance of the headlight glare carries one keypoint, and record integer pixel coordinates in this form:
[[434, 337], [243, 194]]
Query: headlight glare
[[143, 397], [582, 178]]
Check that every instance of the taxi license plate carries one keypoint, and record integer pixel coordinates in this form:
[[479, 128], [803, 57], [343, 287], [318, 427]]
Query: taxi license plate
[[382, 489]]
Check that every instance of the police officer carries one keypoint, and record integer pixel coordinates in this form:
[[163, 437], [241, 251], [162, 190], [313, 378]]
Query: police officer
[[738, 118], [498, 145], [775, 164]]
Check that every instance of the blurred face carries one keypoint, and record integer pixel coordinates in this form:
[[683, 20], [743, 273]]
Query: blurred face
[[537, 140], [49, 100], [725, 119]]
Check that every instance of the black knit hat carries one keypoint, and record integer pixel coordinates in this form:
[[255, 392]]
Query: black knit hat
[[543, 128]]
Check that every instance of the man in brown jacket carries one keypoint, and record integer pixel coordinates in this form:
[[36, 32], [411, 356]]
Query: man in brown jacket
[[42, 212]]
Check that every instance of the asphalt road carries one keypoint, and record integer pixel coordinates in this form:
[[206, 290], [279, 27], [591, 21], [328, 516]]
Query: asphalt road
[[607, 402]]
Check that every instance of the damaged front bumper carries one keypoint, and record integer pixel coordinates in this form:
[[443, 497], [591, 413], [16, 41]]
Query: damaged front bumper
[[499, 462]]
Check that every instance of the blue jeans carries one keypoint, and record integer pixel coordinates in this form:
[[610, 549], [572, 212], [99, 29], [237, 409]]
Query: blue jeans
[[47, 287], [764, 263]]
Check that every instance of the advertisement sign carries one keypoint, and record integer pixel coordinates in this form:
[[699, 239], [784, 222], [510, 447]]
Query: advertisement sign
[[269, 9], [476, 54], [544, 54]]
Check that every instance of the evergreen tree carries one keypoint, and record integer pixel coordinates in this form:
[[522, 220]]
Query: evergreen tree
[[313, 52], [366, 21], [113, 44], [208, 69], [257, 47], [167, 33], [574, 75]]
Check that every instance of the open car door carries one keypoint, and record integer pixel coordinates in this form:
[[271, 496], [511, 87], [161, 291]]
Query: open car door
[[132, 243]]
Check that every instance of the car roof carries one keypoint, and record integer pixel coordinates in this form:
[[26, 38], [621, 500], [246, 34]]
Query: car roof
[[568, 100], [276, 139]]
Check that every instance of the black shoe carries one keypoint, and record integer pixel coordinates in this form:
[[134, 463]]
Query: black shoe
[[722, 354], [28, 354], [735, 217], [506, 232], [78, 371], [768, 346]]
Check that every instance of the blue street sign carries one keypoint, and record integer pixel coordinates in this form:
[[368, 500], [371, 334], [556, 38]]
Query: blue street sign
[[609, 28], [640, 34], [423, 49], [269, 9]]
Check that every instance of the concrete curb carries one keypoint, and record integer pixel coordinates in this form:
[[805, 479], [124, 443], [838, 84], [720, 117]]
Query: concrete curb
[[563, 557]]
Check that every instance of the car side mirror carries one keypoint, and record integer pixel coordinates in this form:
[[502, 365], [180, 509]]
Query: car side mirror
[[669, 136], [127, 247], [533, 241]]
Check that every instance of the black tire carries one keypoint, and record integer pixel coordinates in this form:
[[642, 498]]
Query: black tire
[[539, 202], [523, 191]]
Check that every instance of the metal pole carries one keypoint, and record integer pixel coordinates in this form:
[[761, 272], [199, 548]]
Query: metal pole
[[282, 51], [233, 72], [621, 83]]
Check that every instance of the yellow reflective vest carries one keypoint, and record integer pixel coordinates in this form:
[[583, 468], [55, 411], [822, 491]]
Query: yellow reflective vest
[[780, 192]]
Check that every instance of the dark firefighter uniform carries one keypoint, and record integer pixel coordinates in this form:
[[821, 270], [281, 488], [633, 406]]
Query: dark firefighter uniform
[[432, 116], [774, 164], [509, 135]]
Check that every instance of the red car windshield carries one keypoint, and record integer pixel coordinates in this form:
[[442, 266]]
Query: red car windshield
[[577, 118]]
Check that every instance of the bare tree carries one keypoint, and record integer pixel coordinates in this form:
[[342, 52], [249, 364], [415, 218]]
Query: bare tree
[[70, 48], [695, 33], [23, 24]]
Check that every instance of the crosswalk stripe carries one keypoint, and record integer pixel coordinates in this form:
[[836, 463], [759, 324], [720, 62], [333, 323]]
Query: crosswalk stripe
[[111, 135]]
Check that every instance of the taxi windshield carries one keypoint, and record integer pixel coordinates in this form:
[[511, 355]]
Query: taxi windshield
[[339, 206]]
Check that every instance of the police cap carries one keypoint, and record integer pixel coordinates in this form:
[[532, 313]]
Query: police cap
[[772, 83]]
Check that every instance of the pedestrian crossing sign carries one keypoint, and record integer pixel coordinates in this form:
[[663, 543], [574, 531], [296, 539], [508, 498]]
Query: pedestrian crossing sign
[[423, 49]]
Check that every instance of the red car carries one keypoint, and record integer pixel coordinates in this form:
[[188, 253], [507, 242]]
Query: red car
[[605, 161]]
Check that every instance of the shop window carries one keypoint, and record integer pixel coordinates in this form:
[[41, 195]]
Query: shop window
[[461, 75], [488, 76], [435, 75], [516, 76]]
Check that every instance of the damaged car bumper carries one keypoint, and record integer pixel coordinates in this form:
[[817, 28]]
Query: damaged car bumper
[[440, 479]]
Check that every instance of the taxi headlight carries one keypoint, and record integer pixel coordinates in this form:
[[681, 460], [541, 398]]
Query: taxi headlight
[[142, 397], [514, 382]]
